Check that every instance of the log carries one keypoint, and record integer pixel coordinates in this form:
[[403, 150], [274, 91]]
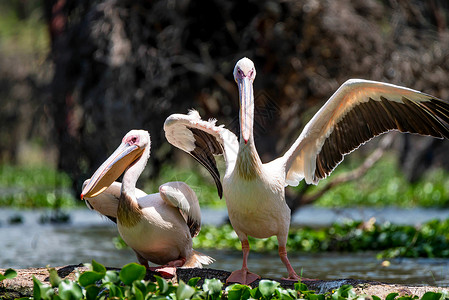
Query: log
[[22, 285]]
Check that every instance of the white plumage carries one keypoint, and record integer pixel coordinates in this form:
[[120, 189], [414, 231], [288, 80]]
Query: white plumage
[[358, 111], [158, 227]]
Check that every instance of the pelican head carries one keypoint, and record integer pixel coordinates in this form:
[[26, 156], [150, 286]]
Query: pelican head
[[244, 68], [244, 75], [130, 150]]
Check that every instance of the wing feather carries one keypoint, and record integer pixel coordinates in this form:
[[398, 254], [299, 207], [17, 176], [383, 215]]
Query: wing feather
[[357, 112], [180, 195], [203, 140]]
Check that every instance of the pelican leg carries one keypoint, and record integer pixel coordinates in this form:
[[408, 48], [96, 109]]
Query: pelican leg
[[142, 260], [243, 276], [291, 272], [169, 270]]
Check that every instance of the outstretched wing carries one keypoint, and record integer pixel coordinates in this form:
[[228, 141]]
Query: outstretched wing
[[358, 111], [202, 139], [180, 195], [106, 203]]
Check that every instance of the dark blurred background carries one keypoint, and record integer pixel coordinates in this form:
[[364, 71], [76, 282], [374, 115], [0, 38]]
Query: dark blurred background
[[75, 76]]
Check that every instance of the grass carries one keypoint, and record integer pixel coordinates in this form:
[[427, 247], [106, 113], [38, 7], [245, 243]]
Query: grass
[[383, 185], [43, 187], [34, 187]]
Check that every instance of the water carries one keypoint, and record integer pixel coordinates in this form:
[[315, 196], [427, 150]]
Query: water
[[89, 236]]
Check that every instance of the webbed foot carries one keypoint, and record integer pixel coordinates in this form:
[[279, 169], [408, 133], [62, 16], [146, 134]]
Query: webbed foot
[[242, 276]]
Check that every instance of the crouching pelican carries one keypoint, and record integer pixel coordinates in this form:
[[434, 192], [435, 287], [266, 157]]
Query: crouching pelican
[[158, 227], [358, 111]]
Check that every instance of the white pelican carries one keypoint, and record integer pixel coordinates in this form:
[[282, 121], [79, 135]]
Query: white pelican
[[254, 191], [158, 227]]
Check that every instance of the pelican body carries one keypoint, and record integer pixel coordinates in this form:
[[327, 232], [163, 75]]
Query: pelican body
[[254, 191], [158, 227]]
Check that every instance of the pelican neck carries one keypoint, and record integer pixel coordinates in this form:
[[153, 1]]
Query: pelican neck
[[248, 164]]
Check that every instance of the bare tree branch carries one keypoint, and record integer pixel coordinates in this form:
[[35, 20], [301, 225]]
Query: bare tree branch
[[303, 199]]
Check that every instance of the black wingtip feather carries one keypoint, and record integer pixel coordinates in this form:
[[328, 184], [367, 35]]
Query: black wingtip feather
[[194, 226], [206, 147], [369, 119]]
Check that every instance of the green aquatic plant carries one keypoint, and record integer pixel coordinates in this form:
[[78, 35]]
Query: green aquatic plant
[[129, 283], [35, 187], [385, 185], [8, 274], [391, 240]]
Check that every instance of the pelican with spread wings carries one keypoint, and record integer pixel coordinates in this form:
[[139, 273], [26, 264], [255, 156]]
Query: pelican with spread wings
[[255, 192]]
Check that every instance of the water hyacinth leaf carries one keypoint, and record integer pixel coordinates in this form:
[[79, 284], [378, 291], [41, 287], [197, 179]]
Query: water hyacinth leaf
[[137, 293], [42, 290], [375, 297], [391, 296], [111, 276], [312, 296], [115, 292], [70, 290], [9, 274], [90, 277], [97, 267], [284, 294], [212, 286], [432, 296], [238, 291], [139, 286], [300, 287], [172, 289], [184, 291], [36, 289], [255, 293], [131, 272], [151, 287], [55, 280], [445, 294], [162, 284], [193, 281], [268, 287], [345, 291], [92, 292], [159, 297]]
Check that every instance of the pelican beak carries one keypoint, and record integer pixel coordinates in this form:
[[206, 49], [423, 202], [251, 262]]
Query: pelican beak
[[111, 169], [246, 107]]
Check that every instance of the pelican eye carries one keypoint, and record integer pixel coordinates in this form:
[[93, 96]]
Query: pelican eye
[[133, 140]]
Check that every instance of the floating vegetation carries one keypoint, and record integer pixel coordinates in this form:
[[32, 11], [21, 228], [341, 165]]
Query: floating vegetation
[[390, 240]]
